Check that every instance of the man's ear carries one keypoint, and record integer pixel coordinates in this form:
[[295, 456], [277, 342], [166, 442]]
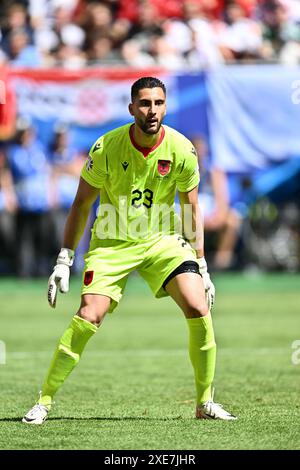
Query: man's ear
[[130, 109]]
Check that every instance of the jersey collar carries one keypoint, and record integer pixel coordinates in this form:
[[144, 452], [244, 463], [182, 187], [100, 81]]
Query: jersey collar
[[146, 150]]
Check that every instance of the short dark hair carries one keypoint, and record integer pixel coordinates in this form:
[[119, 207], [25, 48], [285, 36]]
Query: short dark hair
[[146, 82]]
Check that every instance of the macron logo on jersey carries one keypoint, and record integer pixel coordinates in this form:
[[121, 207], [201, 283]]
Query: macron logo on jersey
[[97, 146], [125, 165]]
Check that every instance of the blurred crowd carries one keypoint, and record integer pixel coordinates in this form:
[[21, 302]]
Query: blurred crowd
[[37, 188], [38, 185], [175, 34], [38, 182]]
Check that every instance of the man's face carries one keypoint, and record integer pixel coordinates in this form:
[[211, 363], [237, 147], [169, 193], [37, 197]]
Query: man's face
[[149, 109]]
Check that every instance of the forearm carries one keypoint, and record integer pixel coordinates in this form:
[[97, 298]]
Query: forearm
[[192, 224], [76, 221], [75, 225], [77, 218], [199, 231], [193, 227]]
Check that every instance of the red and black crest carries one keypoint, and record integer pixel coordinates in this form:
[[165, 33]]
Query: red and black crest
[[88, 277], [163, 167]]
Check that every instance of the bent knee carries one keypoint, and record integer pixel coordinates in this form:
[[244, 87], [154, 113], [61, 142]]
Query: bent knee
[[91, 314], [196, 311]]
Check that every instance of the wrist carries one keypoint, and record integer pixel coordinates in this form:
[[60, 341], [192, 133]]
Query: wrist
[[66, 256], [202, 265]]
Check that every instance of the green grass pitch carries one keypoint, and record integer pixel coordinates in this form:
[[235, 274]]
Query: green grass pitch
[[134, 389]]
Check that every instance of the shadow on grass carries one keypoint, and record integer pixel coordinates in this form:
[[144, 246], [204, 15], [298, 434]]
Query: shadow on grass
[[98, 418]]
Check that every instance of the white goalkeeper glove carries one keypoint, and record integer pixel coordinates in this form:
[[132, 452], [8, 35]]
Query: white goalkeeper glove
[[210, 290], [60, 276]]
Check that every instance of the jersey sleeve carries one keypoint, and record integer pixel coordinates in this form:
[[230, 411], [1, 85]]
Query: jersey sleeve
[[188, 177], [94, 170]]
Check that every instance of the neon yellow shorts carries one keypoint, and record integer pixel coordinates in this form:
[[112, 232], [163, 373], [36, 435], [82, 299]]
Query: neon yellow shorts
[[109, 262]]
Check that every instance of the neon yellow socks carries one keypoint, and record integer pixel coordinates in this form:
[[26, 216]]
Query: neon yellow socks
[[202, 349], [66, 356]]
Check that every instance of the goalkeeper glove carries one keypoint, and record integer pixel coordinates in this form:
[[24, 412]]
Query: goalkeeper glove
[[210, 291], [60, 276]]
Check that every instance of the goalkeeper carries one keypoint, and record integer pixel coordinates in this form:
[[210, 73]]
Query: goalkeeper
[[137, 169]]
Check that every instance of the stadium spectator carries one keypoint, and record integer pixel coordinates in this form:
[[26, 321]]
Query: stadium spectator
[[70, 57], [146, 27], [102, 51], [31, 177], [219, 218], [16, 19], [20, 52], [54, 28], [290, 52], [67, 32], [274, 18], [197, 33], [242, 38], [64, 42], [66, 164], [205, 36], [97, 22], [42, 12], [166, 54], [133, 55], [178, 35], [8, 206], [281, 31]]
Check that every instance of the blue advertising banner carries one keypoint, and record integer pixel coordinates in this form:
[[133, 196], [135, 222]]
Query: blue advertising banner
[[254, 116]]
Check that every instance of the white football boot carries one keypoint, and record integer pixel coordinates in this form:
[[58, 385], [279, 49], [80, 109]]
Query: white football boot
[[212, 410], [37, 415]]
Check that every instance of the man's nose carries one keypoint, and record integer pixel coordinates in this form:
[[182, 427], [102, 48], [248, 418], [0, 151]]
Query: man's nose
[[152, 109]]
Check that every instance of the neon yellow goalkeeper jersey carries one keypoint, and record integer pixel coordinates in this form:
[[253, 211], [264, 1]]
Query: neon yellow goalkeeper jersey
[[137, 185]]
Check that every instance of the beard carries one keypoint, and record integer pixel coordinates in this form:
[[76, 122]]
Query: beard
[[150, 128]]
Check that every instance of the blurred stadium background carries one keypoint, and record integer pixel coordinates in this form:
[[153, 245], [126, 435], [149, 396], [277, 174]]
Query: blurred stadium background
[[233, 79]]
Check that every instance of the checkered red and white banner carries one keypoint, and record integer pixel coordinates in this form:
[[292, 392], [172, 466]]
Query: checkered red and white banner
[[88, 97]]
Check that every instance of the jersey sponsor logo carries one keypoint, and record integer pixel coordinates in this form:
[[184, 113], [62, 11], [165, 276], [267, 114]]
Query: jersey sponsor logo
[[97, 146], [88, 277], [125, 165], [163, 167], [89, 163]]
